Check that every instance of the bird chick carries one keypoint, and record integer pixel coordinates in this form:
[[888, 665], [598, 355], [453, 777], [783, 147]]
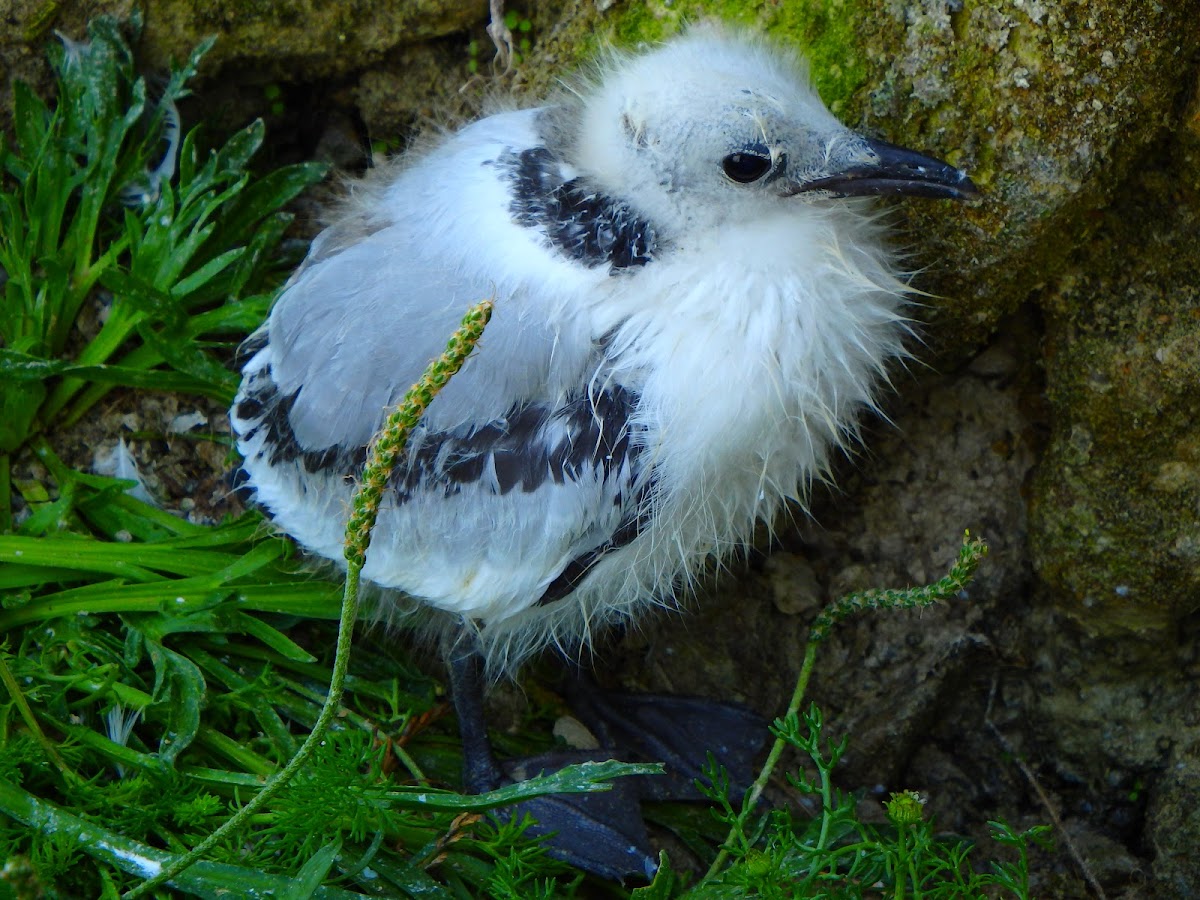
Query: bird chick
[[691, 308], [693, 303]]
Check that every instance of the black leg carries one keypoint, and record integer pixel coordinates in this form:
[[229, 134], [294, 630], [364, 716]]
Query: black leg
[[480, 772]]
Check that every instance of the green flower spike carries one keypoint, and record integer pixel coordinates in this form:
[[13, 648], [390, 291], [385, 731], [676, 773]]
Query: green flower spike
[[390, 441]]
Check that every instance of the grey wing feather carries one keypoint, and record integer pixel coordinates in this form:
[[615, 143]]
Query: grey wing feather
[[526, 466], [356, 330]]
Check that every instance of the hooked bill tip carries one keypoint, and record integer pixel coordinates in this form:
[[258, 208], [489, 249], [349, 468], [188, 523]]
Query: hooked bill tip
[[893, 170]]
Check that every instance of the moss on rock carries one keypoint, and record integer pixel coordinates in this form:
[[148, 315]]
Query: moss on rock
[[1116, 532]]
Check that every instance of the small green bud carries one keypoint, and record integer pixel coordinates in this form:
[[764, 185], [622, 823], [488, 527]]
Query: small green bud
[[905, 808], [757, 863]]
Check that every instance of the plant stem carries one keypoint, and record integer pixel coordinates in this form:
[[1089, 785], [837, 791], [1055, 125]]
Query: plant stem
[[409, 763], [768, 769], [5, 493], [960, 574], [901, 873], [384, 453], [826, 795], [18, 698], [341, 662]]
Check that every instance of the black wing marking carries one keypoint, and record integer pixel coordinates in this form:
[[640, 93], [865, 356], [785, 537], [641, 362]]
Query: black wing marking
[[269, 410], [635, 519], [586, 436]]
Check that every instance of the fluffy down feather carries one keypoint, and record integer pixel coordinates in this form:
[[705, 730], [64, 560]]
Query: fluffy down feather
[[673, 354]]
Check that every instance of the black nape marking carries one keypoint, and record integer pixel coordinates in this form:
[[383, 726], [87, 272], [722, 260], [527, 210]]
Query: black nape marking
[[586, 225]]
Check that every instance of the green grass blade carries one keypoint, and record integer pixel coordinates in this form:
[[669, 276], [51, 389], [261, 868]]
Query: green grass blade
[[580, 778], [209, 880]]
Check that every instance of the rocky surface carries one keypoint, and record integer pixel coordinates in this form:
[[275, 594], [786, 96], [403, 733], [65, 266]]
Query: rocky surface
[[1056, 417]]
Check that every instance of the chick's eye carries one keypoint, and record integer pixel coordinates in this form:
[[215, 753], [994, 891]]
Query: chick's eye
[[746, 167]]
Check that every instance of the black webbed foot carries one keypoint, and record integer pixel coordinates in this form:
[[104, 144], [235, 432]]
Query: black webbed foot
[[603, 832], [679, 732], [600, 832]]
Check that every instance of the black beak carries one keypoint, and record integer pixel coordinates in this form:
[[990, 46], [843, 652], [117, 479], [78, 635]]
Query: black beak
[[887, 169]]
